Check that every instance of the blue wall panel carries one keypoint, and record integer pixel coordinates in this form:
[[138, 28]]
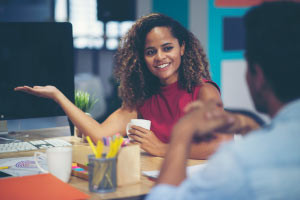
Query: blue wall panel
[[215, 38], [177, 9]]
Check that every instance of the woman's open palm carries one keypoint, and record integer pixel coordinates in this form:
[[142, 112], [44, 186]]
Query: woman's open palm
[[41, 91]]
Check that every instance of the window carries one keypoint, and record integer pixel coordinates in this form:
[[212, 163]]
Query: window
[[88, 31]]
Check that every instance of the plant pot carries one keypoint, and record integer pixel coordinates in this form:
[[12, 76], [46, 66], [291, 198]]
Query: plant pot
[[79, 134]]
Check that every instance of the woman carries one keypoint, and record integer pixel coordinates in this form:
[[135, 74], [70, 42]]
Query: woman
[[161, 67]]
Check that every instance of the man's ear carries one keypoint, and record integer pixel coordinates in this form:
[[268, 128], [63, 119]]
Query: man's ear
[[259, 76]]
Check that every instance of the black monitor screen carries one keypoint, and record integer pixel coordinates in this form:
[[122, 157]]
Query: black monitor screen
[[34, 54]]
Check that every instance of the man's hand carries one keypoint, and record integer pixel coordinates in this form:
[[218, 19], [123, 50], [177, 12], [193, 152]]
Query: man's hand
[[204, 118]]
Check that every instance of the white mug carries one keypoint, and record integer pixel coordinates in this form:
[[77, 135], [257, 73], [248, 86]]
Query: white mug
[[138, 122], [59, 161]]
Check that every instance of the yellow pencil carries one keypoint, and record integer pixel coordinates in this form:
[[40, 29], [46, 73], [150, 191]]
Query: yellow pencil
[[4, 167], [91, 144], [119, 144], [111, 149]]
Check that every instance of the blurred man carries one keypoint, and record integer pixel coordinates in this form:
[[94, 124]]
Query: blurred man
[[266, 163]]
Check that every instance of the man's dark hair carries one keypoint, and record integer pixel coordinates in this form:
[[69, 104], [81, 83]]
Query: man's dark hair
[[273, 42]]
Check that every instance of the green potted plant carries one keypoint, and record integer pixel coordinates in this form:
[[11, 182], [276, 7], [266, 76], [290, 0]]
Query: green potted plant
[[84, 101]]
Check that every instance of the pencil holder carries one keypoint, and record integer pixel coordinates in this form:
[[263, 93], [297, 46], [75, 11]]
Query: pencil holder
[[102, 174]]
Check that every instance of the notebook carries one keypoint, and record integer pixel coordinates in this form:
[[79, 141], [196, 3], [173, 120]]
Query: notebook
[[37, 187]]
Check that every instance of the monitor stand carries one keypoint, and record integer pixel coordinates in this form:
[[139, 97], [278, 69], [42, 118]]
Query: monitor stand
[[3, 127]]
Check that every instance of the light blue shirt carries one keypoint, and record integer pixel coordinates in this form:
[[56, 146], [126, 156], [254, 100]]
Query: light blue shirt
[[264, 165]]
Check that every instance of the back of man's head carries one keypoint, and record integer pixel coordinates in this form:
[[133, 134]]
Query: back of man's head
[[273, 42]]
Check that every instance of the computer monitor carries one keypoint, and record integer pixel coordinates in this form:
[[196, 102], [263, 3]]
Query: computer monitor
[[34, 53]]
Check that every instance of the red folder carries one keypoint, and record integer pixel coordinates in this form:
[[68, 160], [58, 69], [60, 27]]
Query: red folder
[[37, 187]]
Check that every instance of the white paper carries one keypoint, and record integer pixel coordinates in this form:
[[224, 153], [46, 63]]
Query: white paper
[[22, 166], [189, 170]]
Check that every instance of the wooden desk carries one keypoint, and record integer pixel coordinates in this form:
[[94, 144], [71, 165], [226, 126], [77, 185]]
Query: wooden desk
[[133, 191]]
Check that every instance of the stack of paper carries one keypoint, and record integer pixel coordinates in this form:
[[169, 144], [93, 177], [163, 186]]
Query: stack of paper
[[189, 170]]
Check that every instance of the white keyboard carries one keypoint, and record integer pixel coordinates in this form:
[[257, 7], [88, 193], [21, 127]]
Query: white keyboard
[[33, 145]]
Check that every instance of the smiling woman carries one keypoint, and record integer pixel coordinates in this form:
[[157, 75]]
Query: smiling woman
[[163, 54], [153, 41], [161, 67]]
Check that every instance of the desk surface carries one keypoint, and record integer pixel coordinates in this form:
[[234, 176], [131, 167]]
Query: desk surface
[[132, 191]]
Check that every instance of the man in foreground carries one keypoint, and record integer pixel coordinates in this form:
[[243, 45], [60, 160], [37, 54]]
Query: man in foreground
[[266, 163]]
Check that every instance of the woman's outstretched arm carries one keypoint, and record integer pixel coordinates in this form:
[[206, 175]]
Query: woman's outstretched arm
[[115, 123]]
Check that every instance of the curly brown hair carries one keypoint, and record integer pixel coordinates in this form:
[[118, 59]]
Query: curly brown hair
[[137, 83]]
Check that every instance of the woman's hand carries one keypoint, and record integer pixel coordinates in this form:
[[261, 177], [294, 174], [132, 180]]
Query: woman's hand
[[148, 141], [48, 91]]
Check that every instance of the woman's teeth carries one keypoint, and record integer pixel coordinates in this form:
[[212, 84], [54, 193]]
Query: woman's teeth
[[162, 66]]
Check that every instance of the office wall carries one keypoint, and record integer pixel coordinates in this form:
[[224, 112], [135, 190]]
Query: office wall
[[198, 20], [177, 9], [228, 65], [20, 10], [143, 7]]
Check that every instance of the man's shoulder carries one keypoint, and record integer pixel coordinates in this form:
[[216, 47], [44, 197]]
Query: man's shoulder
[[267, 145]]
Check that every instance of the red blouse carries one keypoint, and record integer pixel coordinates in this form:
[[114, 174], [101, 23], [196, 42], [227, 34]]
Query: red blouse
[[166, 108]]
